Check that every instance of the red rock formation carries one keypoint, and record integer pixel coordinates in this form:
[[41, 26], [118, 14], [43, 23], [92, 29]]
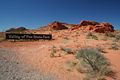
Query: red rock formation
[[75, 27], [94, 26], [86, 23], [56, 26], [104, 27]]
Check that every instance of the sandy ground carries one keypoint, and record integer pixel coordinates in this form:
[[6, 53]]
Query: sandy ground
[[11, 68], [33, 62]]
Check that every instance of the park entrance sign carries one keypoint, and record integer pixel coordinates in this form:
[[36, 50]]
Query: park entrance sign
[[28, 36]]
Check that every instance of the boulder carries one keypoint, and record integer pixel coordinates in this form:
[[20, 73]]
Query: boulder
[[56, 26]]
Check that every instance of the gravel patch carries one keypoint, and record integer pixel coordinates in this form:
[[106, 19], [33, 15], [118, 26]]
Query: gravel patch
[[12, 69]]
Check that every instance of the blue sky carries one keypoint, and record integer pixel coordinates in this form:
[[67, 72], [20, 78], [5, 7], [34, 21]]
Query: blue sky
[[35, 13]]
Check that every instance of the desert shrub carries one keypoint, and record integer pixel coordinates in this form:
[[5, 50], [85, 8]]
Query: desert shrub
[[99, 48], [65, 37], [117, 37], [53, 51], [2, 37], [67, 50], [104, 39], [109, 34], [65, 41], [114, 46], [93, 63], [71, 64], [91, 36]]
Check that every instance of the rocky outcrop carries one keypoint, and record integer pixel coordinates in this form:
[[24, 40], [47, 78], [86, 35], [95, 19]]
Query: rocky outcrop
[[19, 29], [86, 23], [57, 26], [104, 27], [94, 26]]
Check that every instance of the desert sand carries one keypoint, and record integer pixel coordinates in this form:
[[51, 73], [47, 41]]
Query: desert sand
[[34, 57]]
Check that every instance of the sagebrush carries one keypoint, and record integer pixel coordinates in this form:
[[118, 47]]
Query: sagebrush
[[53, 51], [91, 36], [93, 63]]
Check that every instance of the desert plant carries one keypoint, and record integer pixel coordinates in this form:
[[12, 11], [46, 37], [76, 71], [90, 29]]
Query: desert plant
[[93, 63], [2, 36], [71, 64], [67, 50], [109, 34], [104, 38], [99, 48], [65, 37], [91, 36], [117, 37], [114, 46], [53, 51]]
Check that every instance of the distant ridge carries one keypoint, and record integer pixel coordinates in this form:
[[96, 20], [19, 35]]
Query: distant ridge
[[84, 25]]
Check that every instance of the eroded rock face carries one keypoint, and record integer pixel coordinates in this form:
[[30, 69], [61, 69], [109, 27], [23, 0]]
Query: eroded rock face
[[56, 26], [75, 27], [104, 27], [94, 26], [86, 23]]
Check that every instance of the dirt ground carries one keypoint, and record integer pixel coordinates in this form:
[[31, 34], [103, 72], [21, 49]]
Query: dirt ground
[[32, 61]]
